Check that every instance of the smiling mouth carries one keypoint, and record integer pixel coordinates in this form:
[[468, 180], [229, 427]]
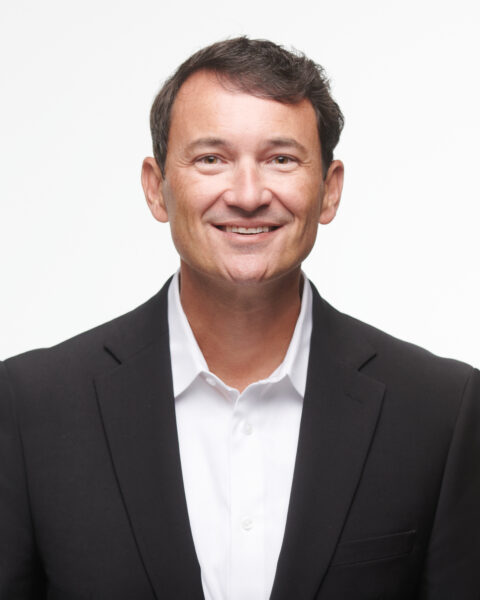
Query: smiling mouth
[[246, 230]]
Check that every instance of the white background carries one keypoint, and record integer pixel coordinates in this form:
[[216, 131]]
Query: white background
[[78, 244]]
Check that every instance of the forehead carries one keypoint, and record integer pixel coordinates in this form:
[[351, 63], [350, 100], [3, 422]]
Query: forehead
[[204, 106]]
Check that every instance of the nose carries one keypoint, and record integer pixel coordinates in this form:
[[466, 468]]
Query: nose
[[248, 190]]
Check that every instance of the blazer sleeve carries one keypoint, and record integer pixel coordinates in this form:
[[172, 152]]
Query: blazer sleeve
[[452, 566], [20, 574]]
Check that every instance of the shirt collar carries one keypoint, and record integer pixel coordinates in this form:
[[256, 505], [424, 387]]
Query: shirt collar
[[188, 361], [186, 356]]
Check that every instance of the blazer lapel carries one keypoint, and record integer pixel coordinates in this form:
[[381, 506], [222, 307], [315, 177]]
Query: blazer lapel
[[340, 412], [137, 407]]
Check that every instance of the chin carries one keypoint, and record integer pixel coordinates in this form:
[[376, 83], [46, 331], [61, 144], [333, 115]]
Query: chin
[[248, 274], [244, 274]]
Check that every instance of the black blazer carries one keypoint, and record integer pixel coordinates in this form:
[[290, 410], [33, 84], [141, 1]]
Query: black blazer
[[385, 501]]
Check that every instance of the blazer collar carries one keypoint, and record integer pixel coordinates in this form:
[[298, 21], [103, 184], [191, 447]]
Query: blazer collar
[[340, 412]]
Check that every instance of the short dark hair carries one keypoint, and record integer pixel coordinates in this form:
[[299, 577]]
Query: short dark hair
[[261, 68]]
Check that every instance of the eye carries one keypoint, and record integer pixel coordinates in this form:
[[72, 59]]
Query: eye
[[283, 161], [210, 159]]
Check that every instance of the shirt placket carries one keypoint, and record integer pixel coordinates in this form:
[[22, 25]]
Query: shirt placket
[[247, 501]]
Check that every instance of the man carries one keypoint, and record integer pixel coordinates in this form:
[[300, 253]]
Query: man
[[236, 437]]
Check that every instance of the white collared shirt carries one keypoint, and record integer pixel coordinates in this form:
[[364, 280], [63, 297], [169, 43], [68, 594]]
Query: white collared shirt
[[237, 453]]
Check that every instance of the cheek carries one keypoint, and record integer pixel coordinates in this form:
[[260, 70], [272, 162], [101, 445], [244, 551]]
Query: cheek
[[194, 195], [304, 202], [313, 197]]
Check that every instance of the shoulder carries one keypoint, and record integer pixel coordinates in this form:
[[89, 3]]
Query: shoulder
[[89, 353], [411, 374], [393, 351]]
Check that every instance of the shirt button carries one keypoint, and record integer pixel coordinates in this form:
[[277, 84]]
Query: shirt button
[[247, 428], [211, 381], [247, 523]]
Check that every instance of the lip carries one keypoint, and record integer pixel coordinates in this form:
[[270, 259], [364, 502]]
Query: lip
[[247, 240], [247, 224], [246, 237]]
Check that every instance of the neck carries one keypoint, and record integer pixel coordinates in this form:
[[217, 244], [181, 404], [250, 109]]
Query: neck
[[243, 331]]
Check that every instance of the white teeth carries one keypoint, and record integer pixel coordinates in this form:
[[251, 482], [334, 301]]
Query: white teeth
[[247, 230]]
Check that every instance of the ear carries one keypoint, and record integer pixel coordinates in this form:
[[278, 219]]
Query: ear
[[332, 193], [152, 181]]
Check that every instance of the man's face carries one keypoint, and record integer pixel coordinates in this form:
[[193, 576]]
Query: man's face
[[243, 186]]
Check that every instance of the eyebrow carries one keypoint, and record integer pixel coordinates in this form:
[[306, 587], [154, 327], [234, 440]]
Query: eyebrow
[[207, 141], [277, 142], [285, 142]]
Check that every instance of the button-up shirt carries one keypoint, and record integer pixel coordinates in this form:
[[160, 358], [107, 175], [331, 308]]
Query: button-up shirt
[[237, 454]]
